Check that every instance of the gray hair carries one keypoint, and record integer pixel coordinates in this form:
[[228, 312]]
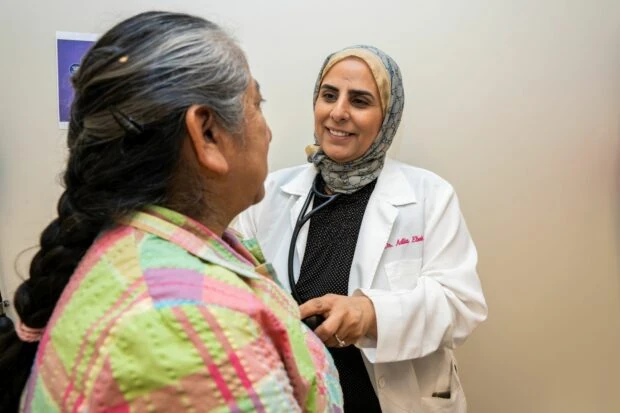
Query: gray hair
[[161, 69]]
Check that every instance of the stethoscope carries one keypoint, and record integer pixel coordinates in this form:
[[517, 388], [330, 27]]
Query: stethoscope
[[313, 321]]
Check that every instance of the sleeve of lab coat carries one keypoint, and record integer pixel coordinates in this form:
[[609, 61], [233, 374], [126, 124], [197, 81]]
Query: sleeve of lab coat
[[447, 302]]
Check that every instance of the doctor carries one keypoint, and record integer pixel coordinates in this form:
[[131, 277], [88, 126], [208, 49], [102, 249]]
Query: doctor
[[386, 258]]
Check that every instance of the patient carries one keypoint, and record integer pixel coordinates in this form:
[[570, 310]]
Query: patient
[[139, 299]]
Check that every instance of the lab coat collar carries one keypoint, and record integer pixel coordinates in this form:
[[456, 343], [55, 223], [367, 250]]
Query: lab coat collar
[[392, 185], [301, 182]]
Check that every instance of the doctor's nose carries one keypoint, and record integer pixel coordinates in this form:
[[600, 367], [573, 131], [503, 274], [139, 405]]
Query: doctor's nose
[[340, 112]]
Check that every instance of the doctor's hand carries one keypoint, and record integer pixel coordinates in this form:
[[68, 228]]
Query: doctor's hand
[[349, 318]]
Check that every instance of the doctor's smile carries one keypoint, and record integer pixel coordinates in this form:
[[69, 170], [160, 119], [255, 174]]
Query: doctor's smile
[[338, 134]]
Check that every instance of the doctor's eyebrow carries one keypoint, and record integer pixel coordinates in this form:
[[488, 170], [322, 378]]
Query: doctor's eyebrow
[[352, 92]]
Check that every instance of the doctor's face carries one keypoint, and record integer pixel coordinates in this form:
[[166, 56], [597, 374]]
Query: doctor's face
[[347, 112]]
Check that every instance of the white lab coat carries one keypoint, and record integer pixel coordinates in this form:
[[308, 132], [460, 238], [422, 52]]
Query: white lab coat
[[417, 263]]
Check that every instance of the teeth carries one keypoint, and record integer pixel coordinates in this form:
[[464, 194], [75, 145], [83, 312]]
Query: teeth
[[338, 133]]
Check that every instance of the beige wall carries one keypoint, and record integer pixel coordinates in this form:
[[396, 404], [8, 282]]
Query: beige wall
[[516, 103]]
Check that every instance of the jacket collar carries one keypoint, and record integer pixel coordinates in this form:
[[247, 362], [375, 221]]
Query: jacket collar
[[195, 238], [392, 184]]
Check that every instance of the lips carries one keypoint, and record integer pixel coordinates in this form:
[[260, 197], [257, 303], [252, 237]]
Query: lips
[[338, 133]]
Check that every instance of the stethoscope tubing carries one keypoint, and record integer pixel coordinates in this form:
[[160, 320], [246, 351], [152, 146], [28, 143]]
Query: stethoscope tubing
[[301, 220]]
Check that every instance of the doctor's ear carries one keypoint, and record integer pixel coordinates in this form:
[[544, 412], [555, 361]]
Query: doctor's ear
[[208, 138]]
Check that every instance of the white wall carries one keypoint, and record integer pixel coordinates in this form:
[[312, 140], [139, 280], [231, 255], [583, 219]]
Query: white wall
[[515, 102]]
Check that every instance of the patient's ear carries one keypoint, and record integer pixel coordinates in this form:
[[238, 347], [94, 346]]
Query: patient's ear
[[208, 138]]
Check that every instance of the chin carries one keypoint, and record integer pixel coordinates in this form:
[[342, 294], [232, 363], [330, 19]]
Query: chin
[[337, 154], [339, 158], [259, 197]]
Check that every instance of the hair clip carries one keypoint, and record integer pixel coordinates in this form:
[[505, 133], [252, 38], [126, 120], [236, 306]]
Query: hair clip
[[99, 58], [132, 127]]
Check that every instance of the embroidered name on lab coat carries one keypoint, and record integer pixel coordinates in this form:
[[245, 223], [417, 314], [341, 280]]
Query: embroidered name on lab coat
[[405, 241]]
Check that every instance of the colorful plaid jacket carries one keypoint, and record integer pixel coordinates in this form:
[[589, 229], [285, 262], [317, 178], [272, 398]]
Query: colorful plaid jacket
[[162, 315]]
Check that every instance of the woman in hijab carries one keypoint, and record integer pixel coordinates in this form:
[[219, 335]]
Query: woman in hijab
[[386, 260]]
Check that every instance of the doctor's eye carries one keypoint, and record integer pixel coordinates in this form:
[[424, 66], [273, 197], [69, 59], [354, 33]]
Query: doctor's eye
[[329, 96]]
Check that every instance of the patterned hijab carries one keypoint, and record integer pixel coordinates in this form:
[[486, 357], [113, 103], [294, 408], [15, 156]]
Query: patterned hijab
[[351, 176]]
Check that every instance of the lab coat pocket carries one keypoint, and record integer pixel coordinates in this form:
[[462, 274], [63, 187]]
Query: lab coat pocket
[[397, 387], [454, 403], [403, 274]]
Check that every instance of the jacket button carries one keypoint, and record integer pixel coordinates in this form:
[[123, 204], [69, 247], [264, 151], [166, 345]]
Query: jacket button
[[381, 382]]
